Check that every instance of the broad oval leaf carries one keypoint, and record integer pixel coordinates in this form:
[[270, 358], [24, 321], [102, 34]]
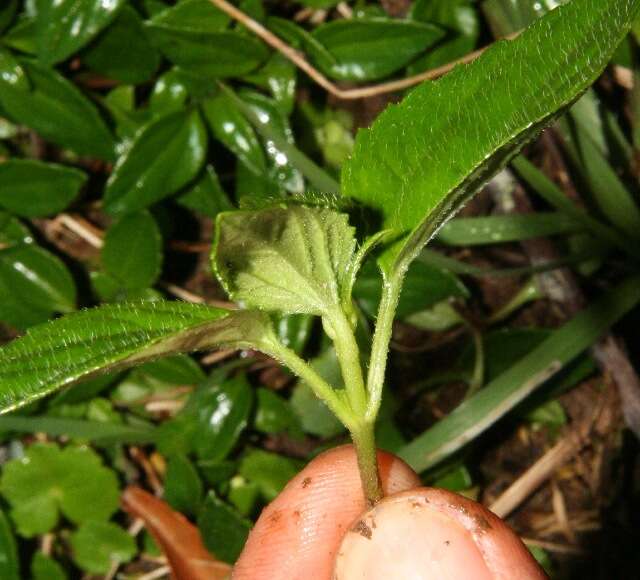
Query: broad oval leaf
[[117, 336], [293, 260], [423, 158], [65, 26], [34, 284], [138, 269], [191, 35], [32, 188], [110, 54], [165, 156], [373, 48], [58, 111]]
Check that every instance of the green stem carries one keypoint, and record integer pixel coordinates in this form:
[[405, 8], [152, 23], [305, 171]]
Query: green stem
[[380, 347], [348, 355], [318, 385], [364, 442]]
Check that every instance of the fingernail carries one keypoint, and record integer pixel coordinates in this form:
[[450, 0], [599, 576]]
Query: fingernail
[[406, 537]]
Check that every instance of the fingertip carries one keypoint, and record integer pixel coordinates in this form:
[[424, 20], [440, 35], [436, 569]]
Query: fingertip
[[426, 533], [298, 534]]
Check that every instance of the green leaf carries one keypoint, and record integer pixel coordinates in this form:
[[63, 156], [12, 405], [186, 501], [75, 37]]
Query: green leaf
[[499, 229], [165, 156], [111, 53], [45, 568], [169, 93], [57, 110], [278, 75], [212, 420], [423, 158], [229, 126], [224, 531], [7, 13], [95, 431], [117, 336], [269, 471], [49, 480], [460, 20], [424, 286], [33, 285], [9, 563], [65, 26], [294, 260], [138, 269], [496, 399], [274, 414], [12, 71], [182, 486], [12, 231], [373, 48], [191, 36], [206, 196], [32, 188], [97, 546]]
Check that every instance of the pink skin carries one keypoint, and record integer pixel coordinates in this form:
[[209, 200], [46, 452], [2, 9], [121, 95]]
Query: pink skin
[[318, 527]]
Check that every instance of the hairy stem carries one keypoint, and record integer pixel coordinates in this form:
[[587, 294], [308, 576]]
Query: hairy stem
[[380, 348], [348, 355], [364, 442], [318, 385]]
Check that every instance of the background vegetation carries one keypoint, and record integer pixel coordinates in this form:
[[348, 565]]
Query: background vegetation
[[126, 127]]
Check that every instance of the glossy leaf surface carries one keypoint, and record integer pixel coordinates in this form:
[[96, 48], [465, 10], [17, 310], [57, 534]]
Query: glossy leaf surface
[[58, 111], [116, 336], [64, 26], [164, 157], [423, 158], [32, 188], [369, 49], [132, 251]]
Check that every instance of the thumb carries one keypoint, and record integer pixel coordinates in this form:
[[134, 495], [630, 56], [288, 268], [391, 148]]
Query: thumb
[[431, 533]]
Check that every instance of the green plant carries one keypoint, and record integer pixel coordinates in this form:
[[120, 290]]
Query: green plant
[[301, 254]]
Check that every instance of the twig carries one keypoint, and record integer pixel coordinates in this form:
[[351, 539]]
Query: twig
[[303, 64], [161, 572], [553, 546], [83, 229], [195, 298]]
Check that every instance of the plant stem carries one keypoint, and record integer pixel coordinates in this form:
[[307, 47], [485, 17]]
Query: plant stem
[[380, 348], [364, 442], [318, 385], [348, 355]]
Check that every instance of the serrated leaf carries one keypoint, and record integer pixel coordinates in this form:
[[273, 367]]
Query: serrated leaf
[[65, 26], [423, 158], [110, 54], [31, 188], [373, 48], [50, 480], [293, 260], [165, 156], [57, 110], [117, 336], [97, 546], [138, 269]]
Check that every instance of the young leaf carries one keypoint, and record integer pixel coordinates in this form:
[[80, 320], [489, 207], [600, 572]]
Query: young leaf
[[64, 26], [164, 157], [423, 158], [294, 260], [82, 344], [32, 188], [138, 269]]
